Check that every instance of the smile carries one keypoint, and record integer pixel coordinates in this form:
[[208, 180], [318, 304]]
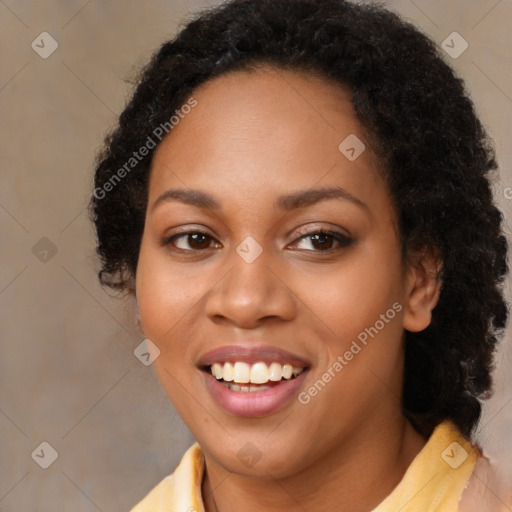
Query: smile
[[254, 376], [252, 381]]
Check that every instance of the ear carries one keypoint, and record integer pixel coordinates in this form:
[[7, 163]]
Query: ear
[[423, 287]]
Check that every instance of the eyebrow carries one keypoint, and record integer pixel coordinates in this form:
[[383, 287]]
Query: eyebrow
[[288, 202]]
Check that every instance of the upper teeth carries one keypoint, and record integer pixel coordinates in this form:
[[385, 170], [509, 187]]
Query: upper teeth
[[258, 373]]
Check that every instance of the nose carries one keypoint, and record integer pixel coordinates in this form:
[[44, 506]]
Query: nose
[[250, 294]]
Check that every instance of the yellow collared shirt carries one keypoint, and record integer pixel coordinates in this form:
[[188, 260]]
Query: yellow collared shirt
[[434, 481]]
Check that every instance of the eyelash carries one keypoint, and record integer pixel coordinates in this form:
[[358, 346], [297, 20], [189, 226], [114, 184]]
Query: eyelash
[[342, 240]]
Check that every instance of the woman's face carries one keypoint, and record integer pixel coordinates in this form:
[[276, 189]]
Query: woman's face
[[266, 241]]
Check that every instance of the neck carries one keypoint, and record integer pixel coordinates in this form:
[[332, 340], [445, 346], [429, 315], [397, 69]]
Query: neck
[[357, 477]]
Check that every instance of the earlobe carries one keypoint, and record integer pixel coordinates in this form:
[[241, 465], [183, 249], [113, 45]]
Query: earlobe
[[423, 290]]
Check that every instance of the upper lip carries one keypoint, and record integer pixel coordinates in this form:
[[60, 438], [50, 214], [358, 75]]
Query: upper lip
[[251, 355]]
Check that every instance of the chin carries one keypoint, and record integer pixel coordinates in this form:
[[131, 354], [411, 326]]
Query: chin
[[255, 456]]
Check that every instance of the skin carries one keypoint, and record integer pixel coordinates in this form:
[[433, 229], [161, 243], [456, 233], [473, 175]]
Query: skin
[[253, 137]]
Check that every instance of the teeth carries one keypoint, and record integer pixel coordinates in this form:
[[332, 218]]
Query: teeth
[[258, 373], [244, 389], [287, 371], [275, 372], [217, 371], [242, 372], [228, 372]]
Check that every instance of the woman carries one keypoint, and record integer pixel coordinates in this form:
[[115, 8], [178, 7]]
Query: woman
[[298, 197]]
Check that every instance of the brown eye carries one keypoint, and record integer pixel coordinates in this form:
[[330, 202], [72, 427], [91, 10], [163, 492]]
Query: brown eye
[[323, 241], [194, 241]]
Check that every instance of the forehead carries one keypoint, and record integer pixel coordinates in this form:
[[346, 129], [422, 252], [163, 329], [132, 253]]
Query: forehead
[[268, 127]]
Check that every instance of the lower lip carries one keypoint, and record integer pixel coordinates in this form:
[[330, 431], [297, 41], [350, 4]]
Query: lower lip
[[258, 403]]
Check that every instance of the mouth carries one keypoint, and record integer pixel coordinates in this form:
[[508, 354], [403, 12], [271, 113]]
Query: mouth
[[254, 381]]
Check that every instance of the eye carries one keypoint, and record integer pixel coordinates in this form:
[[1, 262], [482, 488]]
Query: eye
[[323, 241], [318, 241], [191, 241]]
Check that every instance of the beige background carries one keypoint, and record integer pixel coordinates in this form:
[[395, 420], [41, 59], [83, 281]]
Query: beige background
[[68, 374]]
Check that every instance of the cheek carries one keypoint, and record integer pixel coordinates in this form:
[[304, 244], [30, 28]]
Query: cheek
[[361, 303], [352, 296], [166, 298], [166, 295]]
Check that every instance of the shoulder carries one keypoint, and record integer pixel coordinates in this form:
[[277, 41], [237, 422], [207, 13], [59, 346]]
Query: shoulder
[[158, 497], [486, 490], [180, 491]]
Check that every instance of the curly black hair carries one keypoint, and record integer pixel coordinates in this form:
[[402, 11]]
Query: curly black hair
[[434, 154]]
